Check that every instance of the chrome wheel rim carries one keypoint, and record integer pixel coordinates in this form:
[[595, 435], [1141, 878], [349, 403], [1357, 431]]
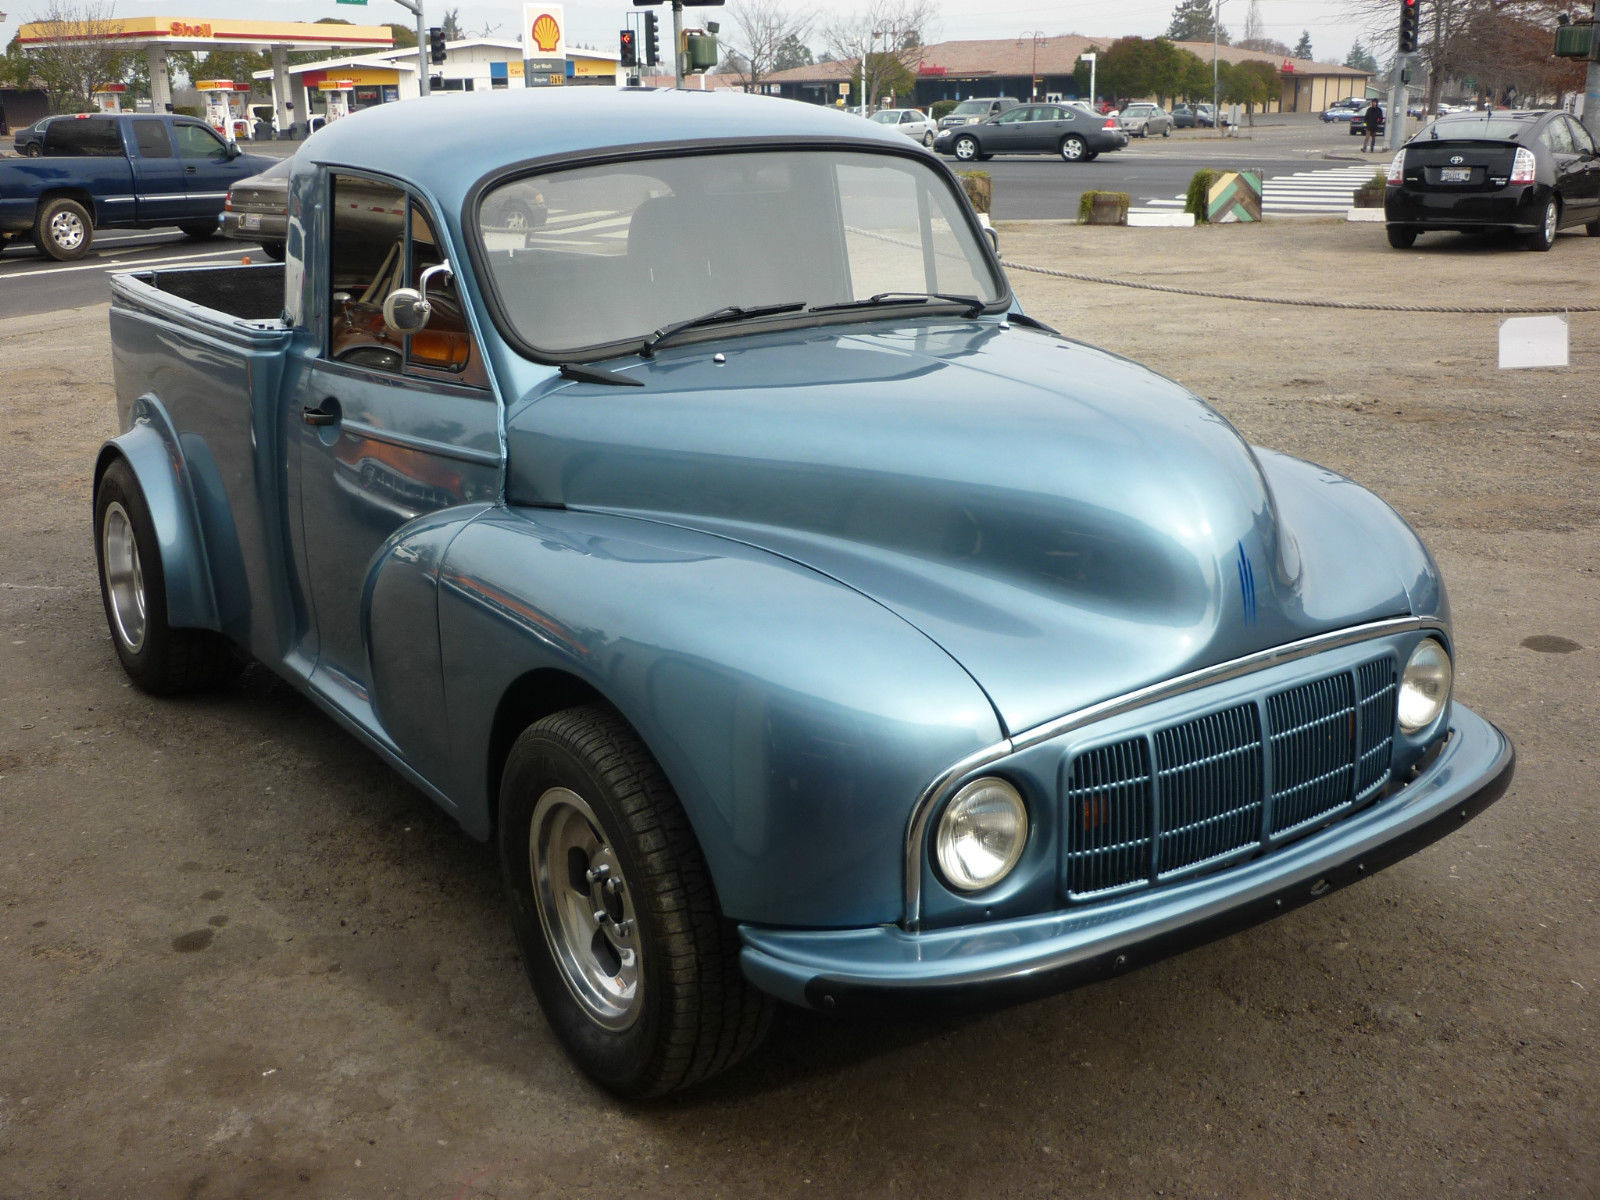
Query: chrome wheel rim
[[517, 220], [124, 577], [965, 149], [66, 230], [1550, 221], [1072, 150], [586, 909]]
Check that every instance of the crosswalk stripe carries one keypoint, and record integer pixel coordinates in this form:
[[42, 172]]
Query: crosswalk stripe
[[1321, 191]]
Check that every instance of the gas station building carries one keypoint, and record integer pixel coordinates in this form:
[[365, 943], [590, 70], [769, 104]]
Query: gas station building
[[158, 36]]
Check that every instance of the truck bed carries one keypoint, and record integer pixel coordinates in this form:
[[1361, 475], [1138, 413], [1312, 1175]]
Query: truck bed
[[253, 293]]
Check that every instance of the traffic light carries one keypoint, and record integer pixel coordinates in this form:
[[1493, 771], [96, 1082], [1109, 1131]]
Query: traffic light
[[436, 46], [630, 52], [1408, 26], [652, 40]]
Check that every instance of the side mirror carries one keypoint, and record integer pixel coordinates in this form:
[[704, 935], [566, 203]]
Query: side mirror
[[233, 150], [406, 312]]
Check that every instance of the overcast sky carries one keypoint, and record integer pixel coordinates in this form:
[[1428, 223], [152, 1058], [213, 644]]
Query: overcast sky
[[1329, 22]]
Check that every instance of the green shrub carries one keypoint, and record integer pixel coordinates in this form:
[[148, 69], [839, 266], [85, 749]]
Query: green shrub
[[1199, 192], [188, 110], [979, 188], [941, 108], [1086, 205]]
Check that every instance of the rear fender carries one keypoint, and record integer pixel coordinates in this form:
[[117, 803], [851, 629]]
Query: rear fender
[[151, 449]]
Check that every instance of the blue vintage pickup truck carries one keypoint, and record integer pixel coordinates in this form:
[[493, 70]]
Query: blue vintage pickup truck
[[119, 172], [802, 621]]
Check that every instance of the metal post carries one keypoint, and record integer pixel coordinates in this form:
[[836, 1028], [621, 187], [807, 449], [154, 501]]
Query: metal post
[[1216, 85], [415, 8], [1396, 129], [677, 43], [1591, 87]]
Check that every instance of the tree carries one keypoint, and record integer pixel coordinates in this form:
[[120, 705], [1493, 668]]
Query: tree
[[71, 71], [451, 25], [1249, 83], [903, 26], [766, 37], [1194, 21], [1255, 29], [1265, 45], [404, 36], [1361, 58], [1302, 48]]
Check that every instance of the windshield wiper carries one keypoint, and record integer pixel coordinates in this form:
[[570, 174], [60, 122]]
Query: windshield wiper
[[728, 312], [587, 374], [971, 304]]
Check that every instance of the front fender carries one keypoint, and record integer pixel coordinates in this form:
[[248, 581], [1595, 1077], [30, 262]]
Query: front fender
[[151, 449], [797, 720]]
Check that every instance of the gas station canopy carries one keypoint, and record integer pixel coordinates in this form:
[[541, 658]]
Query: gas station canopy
[[158, 36]]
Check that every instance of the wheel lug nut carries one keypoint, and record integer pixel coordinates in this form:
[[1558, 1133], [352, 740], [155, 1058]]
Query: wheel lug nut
[[596, 874], [613, 886], [602, 917]]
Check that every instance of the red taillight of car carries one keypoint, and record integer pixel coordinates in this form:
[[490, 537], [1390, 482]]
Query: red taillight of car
[[1397, 170], [1522, 166], [1111, 123]]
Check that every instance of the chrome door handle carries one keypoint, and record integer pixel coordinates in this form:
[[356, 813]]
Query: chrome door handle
[[328, 414]]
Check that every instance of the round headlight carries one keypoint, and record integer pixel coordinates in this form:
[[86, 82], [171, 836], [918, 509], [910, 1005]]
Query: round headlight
[[981, 834], [1425, 686]]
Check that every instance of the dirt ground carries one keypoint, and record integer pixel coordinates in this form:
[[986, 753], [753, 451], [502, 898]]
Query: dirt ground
[[242, 959]]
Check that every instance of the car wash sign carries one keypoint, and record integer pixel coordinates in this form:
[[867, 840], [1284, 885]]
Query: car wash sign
[[544, 45]]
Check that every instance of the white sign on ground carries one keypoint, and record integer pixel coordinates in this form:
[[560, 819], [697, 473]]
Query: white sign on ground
[[1533, 342]]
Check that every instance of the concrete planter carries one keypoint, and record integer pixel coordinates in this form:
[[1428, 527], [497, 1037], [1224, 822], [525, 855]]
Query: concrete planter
[[1106, 208]]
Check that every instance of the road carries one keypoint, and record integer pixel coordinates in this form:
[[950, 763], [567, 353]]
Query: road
[[32, 283]]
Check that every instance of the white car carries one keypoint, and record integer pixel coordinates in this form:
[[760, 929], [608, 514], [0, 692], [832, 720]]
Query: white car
[[916, 125]]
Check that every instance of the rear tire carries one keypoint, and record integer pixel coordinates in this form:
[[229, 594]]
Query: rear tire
[[1545, 236], [63, 230], [614, 912], [1400, 237], [927, 139], [1073, 148], [199, 231], [276, 251], [159, 659], [1592, 229]]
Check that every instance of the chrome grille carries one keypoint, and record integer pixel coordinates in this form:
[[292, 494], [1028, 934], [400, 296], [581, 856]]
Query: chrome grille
[[1224, 785]]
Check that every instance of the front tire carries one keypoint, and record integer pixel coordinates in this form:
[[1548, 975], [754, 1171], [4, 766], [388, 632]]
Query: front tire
[[1400, 237], [966, 149], [277, 251], [614, 911], [160, 659], [1073, 148], [1545, 236], [63, 230], [34, 150]]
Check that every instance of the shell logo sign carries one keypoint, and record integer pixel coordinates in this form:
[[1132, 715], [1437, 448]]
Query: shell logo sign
[[546, 33], [187, 29], [543, 31]]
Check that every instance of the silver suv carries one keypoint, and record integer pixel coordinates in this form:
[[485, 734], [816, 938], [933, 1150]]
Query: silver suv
[[970, 112]]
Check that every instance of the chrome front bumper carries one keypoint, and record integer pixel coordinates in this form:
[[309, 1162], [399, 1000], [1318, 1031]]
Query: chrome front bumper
[[1007, 961]]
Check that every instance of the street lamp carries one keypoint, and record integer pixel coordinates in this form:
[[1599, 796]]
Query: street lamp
[[1038, 35], [1094, 61], [1216, 86]]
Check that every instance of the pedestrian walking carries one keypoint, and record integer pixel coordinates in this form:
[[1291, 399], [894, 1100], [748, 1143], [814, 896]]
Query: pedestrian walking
[[1373, 118]]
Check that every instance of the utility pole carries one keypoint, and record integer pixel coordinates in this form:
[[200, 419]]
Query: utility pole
[[1591, 87], [415, 8], [677, 44], [1396, 128], [1039, 35], [1216, 85]]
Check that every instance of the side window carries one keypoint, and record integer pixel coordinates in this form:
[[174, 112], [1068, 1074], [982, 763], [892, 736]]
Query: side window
[[444, 350], [1555, 136], [88, 137], [198, 141], [889, 216], [152, 139], [1581, 141]]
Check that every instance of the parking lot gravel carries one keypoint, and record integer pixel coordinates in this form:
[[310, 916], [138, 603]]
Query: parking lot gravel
[[243, 959]]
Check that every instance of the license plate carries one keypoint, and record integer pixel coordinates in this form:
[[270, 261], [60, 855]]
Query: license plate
[[1455, 174], [249, 221]]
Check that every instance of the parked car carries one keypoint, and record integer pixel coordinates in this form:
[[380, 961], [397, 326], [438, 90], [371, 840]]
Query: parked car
[[120, 172], [914, 123], [970, 112], [1142, 119], [1347, 109], [1184, 117], [257, 209], [1064, 129], [802, 620], [1535, 172], [29, 140]]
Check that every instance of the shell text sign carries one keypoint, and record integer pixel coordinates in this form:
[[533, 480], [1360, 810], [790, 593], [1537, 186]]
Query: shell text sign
[[546, 32]]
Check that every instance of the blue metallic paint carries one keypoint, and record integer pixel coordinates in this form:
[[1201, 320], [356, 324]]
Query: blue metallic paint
[[814, 576]]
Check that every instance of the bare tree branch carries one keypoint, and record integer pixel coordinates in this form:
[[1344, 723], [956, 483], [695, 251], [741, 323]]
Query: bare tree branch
[[72, 70], [765, 37], [888, 35]]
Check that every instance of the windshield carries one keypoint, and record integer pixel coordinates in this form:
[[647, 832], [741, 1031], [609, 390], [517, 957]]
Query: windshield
[[968, 107], [888, 116], [593, 258]]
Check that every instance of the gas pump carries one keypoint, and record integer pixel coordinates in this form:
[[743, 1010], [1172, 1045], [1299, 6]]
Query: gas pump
[[227, 110], [108, 97], [337, 94]]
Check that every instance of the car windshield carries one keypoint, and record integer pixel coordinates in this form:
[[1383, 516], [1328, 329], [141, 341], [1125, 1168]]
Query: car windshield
[[887, 116], [585, 261], [968, 107], [1480, 127]]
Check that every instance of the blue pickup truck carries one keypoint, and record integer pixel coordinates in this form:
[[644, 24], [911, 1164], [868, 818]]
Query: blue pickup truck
[[802, 620], [119, 172]]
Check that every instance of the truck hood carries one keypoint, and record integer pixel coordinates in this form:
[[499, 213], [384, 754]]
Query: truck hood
[[1065, 524]]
